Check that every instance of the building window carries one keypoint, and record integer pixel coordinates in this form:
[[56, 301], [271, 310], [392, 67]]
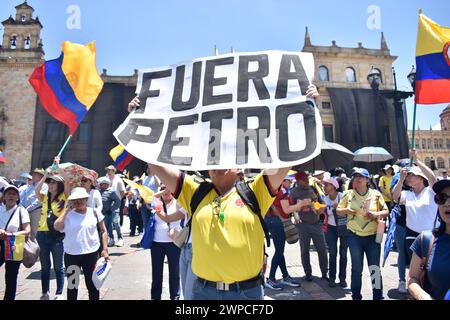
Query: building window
[[429, 144], [424, 144], [83, 132], [440, 163], [381, 75], [52, 131], [441, 143], [428, 161], [436, 144], [326, 105], [350, 75], [13, 42], [448, 143], [328, 133], [27, 42], [23, 18], [323, 74]]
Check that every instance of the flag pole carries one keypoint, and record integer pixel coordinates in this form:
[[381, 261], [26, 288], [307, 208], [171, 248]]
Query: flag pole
[[413, 133], [61, 151]]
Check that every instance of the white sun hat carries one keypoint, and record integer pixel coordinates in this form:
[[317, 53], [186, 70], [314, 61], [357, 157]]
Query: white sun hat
[[78, 193]]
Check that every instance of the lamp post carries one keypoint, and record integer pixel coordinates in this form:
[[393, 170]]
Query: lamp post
[[412, 80]]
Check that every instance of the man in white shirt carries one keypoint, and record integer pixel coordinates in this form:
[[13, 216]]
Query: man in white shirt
[[119, 187], [30, 202]]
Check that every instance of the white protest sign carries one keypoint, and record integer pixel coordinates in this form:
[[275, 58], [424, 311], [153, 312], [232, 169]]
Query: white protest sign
[[238, 110]]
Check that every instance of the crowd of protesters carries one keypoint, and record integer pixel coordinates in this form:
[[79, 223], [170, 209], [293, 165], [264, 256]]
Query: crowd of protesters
[[227, 216]]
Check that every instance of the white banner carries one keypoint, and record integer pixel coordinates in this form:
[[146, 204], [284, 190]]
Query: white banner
[[238, 110]]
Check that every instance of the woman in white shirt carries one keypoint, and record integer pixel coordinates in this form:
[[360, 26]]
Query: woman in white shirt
[[95, 198], [336, 230], [421, 210], [163, 245], [85, 236], [14, 221]]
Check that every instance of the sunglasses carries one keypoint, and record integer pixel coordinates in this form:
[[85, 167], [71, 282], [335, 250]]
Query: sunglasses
[[441, 198], [217, 210]]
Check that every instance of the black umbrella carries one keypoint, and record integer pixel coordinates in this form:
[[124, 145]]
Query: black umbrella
[[332, 155]]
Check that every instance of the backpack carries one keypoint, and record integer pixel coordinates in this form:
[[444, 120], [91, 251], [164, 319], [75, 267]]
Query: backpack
[[426, 246], [244, 191]]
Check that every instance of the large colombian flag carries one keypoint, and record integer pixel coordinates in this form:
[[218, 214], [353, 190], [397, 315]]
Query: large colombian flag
[[433, 62], [121, 157], [68, 86]]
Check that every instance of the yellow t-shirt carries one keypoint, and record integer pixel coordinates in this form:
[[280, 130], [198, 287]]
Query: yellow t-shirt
[[232, 250], [358, 223], [385, 185], [58, 208]]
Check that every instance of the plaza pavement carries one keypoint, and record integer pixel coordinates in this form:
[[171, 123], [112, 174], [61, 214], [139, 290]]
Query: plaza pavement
[[130, 278]]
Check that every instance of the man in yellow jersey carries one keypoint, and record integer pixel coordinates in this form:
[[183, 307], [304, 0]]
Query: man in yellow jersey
[[227, 238]]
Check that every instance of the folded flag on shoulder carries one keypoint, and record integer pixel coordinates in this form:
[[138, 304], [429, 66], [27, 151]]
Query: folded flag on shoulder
[[121, 157], [433, 62], [68, 86]]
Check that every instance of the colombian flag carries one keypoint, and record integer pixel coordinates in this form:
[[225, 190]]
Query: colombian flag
[[433, 62], [68, 86], [2, 157], [14, 248], [121, 157], [145, 192]]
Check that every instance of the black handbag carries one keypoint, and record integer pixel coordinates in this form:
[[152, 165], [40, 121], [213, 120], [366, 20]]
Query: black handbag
[[51, 218]]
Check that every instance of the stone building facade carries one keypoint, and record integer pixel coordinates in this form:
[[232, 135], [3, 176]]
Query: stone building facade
[[433, 146], [29, 137], [20, 53], [340, 67]]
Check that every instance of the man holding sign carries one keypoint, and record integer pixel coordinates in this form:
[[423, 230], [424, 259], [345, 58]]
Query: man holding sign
[[272, 124]]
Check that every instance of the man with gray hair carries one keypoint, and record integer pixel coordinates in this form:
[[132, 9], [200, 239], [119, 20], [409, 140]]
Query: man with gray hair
[[30, 202], [111, 204]]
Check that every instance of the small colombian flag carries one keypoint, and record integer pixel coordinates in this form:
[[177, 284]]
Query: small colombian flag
[[2, 157], [433, 62], [14, 248], [121, 157]]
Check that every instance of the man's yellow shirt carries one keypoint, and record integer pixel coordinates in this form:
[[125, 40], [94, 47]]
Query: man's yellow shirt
[[231, 250]]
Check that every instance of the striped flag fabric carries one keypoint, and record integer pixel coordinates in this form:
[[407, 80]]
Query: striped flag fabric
[[2, 157], [121, 157], [14, 247], [432, 83], [68, 86]]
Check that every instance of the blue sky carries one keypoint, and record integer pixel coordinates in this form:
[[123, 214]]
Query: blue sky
[[142, 33]]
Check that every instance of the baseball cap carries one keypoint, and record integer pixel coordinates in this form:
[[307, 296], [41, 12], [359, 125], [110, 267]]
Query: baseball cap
[[417, 172], [111, 167], [10, 186], [441, 185], [104, 180], [318, 173], [301, 175], [56, 178], [332, 181], [39, 171], [361, 171]]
